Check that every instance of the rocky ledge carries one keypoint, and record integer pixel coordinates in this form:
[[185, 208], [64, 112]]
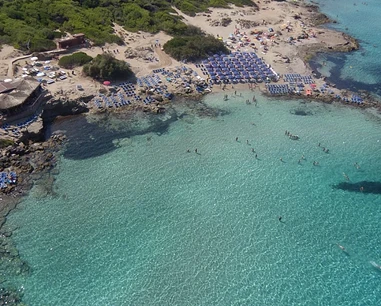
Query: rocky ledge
[[61, 106]]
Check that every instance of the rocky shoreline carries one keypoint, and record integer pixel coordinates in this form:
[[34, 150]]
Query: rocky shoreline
[[31, 161], [34, 158]]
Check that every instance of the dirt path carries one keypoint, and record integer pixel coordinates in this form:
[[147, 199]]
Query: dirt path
[[164, 59]]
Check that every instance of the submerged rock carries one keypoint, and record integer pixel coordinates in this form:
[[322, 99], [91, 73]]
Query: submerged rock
[[300, 112]]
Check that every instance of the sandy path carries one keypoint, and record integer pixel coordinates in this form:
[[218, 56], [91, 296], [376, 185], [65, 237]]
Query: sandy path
[[164, 59]]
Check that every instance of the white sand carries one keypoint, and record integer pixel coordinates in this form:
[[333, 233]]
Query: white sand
[[146, 56]]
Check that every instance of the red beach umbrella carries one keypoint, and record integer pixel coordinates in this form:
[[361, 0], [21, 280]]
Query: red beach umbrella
[[107, 83]]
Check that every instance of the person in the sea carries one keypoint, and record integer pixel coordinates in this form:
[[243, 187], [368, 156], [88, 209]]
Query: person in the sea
[[195, 150], [280, 218], [236, 139], [341, 247], [346, 176]]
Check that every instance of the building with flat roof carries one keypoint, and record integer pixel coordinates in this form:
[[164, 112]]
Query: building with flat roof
[[76, 40]]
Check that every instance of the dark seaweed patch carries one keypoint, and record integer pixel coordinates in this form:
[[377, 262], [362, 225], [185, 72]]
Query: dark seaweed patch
[[363, 187]]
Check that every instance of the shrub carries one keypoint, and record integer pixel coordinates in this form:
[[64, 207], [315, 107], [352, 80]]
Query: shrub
[[74, 60], [6, 142], [192, 48], [106, 67], [32, 24]]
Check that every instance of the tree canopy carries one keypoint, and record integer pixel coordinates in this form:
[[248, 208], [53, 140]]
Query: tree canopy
[[74, 60], [107, 67], [32, 24], [194, 47]]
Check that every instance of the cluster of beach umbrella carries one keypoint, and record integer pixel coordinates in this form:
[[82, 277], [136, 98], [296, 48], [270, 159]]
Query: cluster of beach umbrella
[[238, 67]]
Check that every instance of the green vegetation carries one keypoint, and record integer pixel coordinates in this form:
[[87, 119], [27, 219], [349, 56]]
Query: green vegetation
[[106, 67], [32, 24], [194, 47], [5, 143], [74, 60]]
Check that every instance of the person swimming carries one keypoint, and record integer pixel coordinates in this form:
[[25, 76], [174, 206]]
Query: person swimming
[[346, 176], [375, 265]]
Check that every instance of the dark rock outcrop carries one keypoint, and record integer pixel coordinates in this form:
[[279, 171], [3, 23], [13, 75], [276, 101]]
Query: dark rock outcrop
[[64, 107]]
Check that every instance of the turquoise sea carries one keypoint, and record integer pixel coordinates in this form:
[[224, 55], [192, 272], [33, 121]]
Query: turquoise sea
[[138, 220], [357, 70]]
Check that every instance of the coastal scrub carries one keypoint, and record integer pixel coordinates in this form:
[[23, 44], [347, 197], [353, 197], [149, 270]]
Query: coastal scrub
[[107, 67], [74, 60]]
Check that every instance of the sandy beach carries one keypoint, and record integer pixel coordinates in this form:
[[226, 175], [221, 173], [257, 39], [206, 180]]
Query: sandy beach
[[276, 22], [284, 34], [266, 31]]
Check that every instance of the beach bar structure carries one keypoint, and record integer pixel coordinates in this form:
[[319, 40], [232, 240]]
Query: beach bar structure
[[19, 99], [76, 40]]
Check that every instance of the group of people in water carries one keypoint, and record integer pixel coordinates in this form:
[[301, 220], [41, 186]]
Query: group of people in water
[[324, 149]]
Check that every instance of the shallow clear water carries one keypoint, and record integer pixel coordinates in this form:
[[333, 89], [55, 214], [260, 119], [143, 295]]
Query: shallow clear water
[[150, 224], [360, 69], [139, 221]]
